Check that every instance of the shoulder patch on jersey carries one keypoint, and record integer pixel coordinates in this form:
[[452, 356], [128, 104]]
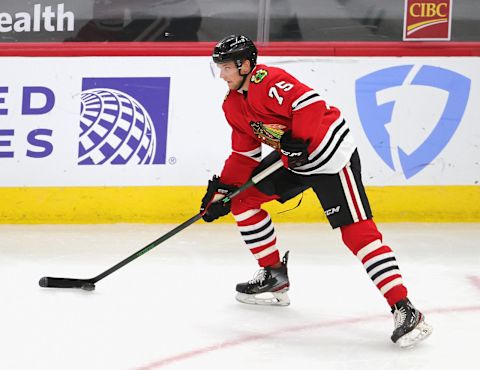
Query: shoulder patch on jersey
[[259, 76]]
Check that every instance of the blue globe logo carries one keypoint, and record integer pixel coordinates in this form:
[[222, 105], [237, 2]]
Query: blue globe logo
[[115, 129]]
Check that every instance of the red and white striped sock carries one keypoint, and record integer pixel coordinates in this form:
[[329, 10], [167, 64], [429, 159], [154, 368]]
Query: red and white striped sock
[[378, 259], [258, 233], [382, 267]]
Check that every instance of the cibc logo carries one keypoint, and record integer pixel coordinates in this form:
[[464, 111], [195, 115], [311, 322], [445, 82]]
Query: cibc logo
[[123, 120], [427, 20], [384, 120]]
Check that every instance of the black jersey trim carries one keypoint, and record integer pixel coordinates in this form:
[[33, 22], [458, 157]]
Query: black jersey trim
[[329, 142], [322, 163], [304, 100]]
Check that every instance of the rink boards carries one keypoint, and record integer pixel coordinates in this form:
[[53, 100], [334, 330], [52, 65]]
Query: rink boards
[[175, 204], [135, 139]]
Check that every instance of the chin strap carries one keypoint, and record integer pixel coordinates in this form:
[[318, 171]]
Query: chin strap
[[244, 76]]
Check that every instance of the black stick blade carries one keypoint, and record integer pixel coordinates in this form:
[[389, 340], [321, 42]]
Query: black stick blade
[[53, 282]]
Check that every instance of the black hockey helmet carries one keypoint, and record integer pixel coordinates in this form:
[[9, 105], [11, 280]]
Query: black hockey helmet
[[236, 48]]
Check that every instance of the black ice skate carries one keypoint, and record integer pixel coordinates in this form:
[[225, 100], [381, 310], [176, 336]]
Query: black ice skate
[[268, 287], [410, 326]]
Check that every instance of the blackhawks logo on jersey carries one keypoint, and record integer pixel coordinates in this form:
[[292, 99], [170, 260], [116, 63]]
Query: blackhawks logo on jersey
[[269, 134], [259, 76]]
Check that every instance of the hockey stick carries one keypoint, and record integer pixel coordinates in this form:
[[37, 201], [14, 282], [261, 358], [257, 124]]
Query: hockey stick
[[89, 284]]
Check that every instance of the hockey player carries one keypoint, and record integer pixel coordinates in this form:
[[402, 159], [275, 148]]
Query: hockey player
[[267, 105]]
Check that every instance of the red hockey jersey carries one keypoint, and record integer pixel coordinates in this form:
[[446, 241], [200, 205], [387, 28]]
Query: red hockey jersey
[[275, 103]]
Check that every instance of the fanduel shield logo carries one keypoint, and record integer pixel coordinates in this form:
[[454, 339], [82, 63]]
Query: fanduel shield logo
[[123, 120], [411, 91]]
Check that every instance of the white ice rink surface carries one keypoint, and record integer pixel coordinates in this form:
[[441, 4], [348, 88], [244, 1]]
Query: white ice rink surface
[[174, 308]]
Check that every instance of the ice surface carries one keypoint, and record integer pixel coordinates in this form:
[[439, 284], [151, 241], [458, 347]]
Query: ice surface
[[174, 307]]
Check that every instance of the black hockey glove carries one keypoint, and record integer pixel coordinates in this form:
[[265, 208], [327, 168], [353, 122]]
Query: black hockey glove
[[212, 208], [294, 149]]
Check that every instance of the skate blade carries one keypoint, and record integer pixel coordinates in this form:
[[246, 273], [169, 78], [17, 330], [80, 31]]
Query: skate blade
[[420, 332], [264, 299]]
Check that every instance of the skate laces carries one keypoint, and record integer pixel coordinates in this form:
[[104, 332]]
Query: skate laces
[[399, 316], [259, 277], [263, 274]]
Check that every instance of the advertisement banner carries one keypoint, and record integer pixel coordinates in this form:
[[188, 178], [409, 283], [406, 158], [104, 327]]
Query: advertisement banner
[[148, 121], [413, 119], [123, 120], [108, 121], [426, 20]]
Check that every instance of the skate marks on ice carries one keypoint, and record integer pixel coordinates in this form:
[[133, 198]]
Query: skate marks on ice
[[288, 331]]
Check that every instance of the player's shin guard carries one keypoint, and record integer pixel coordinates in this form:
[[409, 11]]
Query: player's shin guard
[[270, 285], [365, 241], [257, 231]]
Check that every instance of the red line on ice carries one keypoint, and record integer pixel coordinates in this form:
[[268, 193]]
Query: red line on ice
[[255, 337], [475, 280]]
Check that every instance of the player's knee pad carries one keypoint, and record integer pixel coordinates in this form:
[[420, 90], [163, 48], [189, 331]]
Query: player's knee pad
[[359, 234]]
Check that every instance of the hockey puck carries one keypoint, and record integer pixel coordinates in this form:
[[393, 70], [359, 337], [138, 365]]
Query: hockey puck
[[88, 286], [43, 282]]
